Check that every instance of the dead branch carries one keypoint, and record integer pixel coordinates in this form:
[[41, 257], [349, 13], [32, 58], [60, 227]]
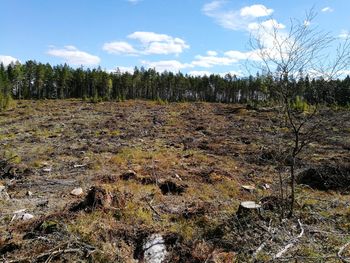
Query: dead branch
[[153, 209], [314, 259], [56, 251], [261, 247], [292, 242], [339, 254]]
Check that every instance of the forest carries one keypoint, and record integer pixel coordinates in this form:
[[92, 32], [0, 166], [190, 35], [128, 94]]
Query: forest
[[34, 80]]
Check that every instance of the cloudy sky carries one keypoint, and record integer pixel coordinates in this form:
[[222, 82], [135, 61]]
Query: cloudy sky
[[192, 36]]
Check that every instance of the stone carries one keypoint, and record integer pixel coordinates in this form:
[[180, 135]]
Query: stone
[[27, 216], [77, 191], [22, 215], [29, 193], [154, 249]]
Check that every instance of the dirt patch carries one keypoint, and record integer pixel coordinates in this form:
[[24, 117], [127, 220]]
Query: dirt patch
[[169, 187], [327, 177]]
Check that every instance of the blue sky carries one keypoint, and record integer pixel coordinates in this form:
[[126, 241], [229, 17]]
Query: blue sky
[[192, 36]]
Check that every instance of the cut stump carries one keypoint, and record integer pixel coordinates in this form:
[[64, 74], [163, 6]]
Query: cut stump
[[248, 208]]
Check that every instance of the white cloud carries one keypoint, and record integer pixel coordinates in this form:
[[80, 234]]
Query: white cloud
[[149, 43], [327, 9], [200, 73], [166, 65], [235, 19], [344, 73], [72, 55], [271, 24], [266, 25], [154, 43], [212, 53], [212, 6], [236, 54], [6, 60], [232, 72], [228, 58], [344, 34], [148, 37], [119, 47], [210, 61], [122, 69], [256, 11]]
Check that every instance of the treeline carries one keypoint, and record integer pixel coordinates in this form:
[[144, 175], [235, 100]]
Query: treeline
[[34, 80]]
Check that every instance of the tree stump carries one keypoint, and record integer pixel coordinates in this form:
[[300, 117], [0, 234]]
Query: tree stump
[[248, 209]]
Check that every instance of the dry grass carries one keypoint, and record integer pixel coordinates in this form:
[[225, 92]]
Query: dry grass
[[210, 150]]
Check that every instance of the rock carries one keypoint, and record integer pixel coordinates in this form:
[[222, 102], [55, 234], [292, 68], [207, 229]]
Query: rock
[[29, 193], [77, 191], [154, 249], [27, 216], [21, 215]]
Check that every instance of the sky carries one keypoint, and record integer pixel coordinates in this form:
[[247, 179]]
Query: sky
[[192, 36]]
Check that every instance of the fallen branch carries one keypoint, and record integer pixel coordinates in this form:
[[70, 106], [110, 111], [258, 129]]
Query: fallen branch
[[52, 253], [153, 209], [315, 259], [291, 243], [343, 259], [261, 247], [79, 165]]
